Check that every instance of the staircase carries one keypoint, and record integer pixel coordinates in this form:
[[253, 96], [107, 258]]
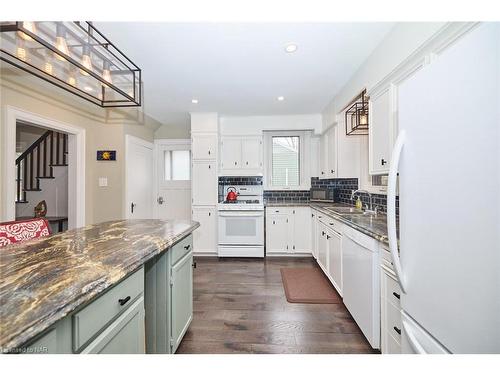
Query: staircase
[[38, 162]]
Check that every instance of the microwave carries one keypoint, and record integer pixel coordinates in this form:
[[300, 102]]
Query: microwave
[[322, 195]]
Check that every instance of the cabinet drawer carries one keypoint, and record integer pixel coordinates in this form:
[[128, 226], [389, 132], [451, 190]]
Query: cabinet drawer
[[393, 346], [392, 290], [393, 321], [181, 248], [98, 314]]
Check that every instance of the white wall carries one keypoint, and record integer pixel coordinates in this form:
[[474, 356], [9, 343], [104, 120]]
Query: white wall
[[254, 125]]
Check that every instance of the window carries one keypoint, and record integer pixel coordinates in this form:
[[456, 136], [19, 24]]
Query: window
[[177, 165], [285, 161]]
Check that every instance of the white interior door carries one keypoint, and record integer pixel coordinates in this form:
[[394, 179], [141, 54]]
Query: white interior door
[[173, 200], [139, 180]]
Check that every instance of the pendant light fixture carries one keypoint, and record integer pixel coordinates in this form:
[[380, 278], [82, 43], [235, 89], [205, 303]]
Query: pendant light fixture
[[74, 56], [356, 116]]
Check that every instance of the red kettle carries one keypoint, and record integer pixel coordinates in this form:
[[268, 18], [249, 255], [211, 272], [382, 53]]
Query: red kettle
[[232, 196]]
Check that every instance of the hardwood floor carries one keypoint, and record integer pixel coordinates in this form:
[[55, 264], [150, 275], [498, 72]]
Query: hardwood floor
[[240, 307]]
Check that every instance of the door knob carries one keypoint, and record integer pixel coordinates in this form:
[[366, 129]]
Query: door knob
[[160, 200]]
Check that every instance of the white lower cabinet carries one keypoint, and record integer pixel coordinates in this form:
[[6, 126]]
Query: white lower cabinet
[[205, 237], [390, 308], [335, 258], [285, 234], [322, 247]]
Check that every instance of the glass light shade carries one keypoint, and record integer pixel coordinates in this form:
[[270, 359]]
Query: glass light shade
[[106, 73], [86, 60]]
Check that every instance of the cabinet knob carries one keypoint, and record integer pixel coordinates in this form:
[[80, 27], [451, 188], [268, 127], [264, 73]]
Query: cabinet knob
[[383, 161], [397, 295], [328, 237], [209, 166], [194, 264], [397, 330], [187, 247], [322, 233], [235, 163], [247, 162], [123, 301], [208, 152]]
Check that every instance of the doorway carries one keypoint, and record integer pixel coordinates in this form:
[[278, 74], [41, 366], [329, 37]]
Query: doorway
[[42, 175], [75, 159], [173, 179]]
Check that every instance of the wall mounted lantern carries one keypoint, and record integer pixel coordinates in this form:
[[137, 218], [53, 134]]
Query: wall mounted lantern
[[356, 116], [74, 56]]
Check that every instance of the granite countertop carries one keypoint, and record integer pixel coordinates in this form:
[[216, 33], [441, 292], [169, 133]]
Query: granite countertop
[[44, 280], [373, 226]]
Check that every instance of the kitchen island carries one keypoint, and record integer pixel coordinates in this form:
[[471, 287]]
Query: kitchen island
[[65, 291]]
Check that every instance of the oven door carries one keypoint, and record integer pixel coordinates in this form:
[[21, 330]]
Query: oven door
[[241, 227]]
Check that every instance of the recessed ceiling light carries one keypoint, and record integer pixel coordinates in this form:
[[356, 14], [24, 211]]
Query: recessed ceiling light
[[280, 98], [290, 48], [194, 101], [88, 88]]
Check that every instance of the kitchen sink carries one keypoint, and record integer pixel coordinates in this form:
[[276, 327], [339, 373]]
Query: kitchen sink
[[345, 210]]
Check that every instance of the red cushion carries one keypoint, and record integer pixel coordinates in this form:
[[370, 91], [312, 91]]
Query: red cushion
[[19, 231]]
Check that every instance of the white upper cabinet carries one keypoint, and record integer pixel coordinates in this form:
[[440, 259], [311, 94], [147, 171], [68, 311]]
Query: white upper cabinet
[[251, 153], [204, 147], [231, 153], [331, 170], [380, 131], [204, 188], [241, 155]]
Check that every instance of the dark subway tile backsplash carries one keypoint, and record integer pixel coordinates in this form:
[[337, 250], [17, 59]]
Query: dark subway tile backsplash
[[343, 189]]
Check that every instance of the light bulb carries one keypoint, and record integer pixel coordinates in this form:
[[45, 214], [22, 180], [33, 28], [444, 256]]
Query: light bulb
[[20, 50], [30, 26], [72, 80], [49, 69], [363, 119], [86, 60], [61, 44], [106, 73]]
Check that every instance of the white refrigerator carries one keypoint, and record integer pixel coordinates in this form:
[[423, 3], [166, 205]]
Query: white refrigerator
[[447, 162]]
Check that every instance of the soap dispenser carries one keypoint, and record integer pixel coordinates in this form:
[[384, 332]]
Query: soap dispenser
[[359, 204]]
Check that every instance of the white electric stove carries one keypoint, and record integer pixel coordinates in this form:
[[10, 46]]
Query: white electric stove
[[241, 223]]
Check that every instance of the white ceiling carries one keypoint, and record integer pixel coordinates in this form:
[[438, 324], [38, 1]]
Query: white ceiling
[[240, 69]]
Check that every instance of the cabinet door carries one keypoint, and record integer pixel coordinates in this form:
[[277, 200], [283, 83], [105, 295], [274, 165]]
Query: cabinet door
[[277, 233], [314, 239], [181, 299], [204, 146], [125, 335], [204, 184], [380, 132], [332, 152], [323, 155], [300, 235], [322, 247], [251, 153], [205, 237], [335, 259], [231, 153]]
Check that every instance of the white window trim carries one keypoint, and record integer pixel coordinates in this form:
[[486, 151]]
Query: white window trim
[[304, 159], [162, 145]]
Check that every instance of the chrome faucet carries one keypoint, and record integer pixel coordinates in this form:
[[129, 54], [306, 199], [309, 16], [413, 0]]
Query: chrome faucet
[[367, 209]]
